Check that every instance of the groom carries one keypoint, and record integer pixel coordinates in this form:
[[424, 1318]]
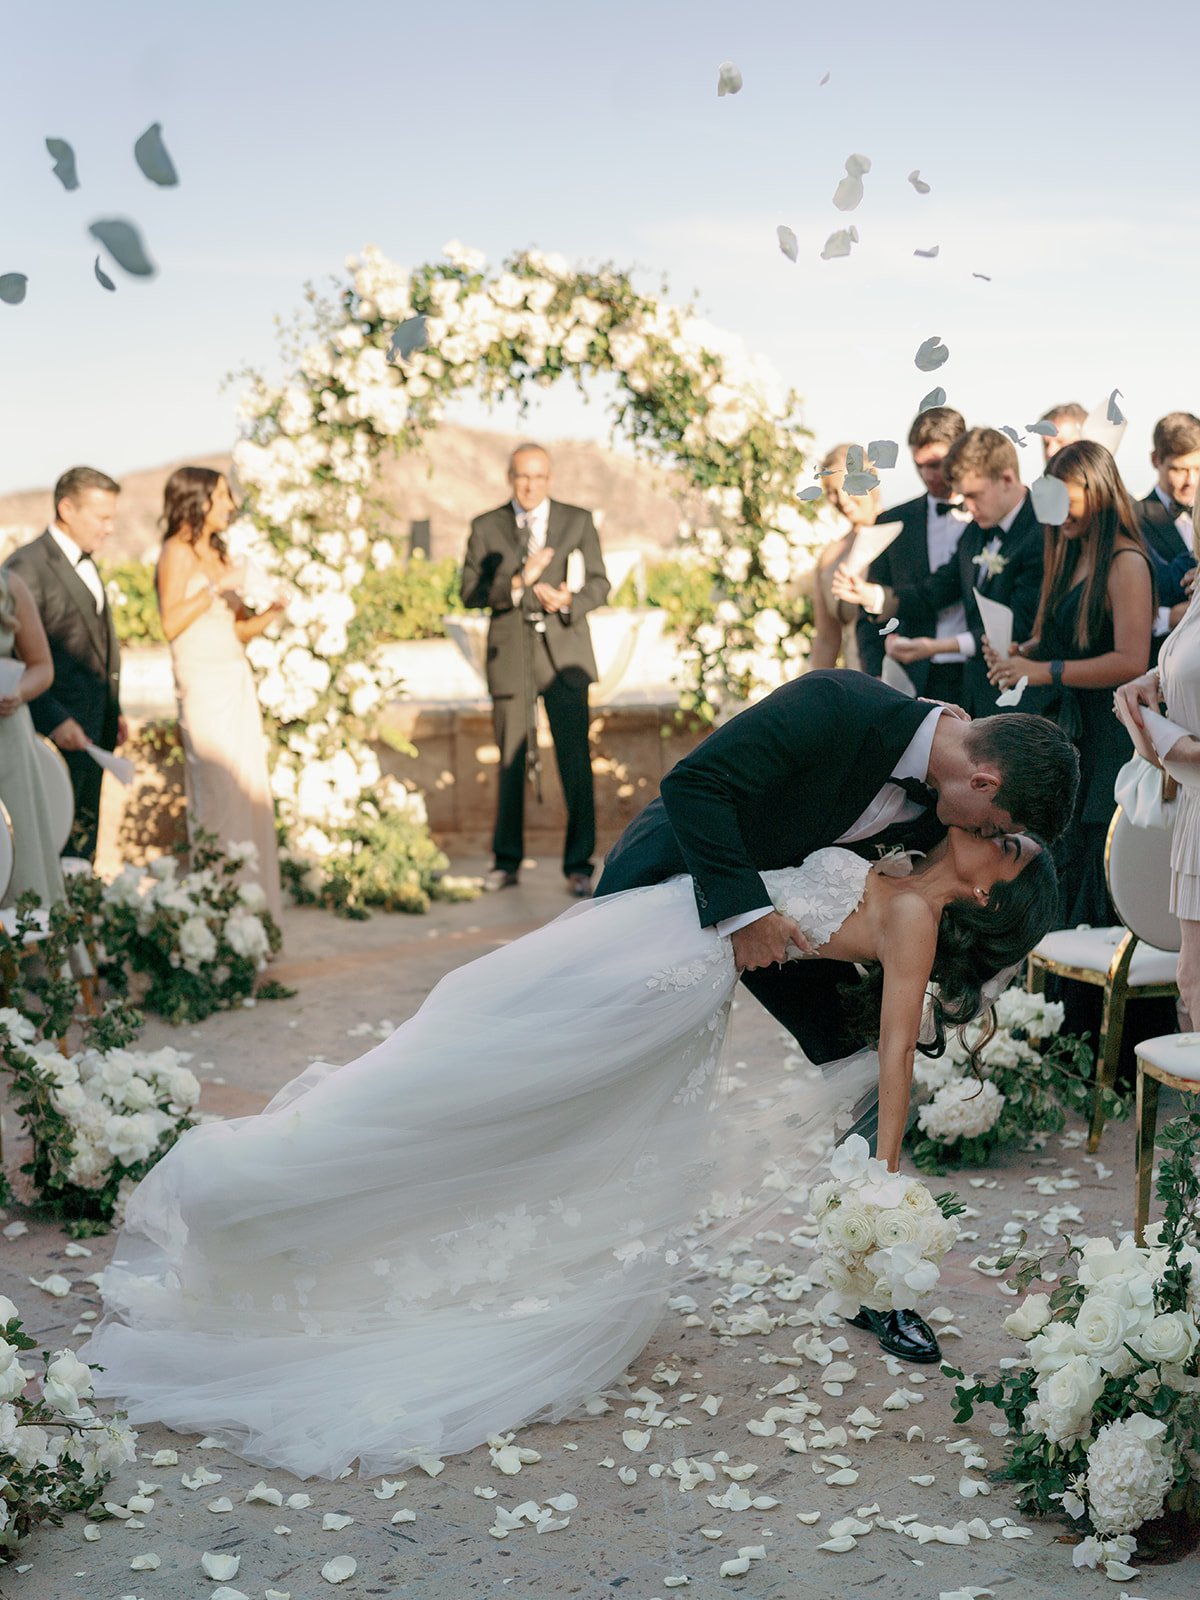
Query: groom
[[834, 758]]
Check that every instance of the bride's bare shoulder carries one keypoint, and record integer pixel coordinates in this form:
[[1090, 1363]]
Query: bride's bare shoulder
[[908, 919]]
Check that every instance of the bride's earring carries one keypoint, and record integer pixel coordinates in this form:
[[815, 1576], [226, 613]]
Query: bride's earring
[[981, 896]]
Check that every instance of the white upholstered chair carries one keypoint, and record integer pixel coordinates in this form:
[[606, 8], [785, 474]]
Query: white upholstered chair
[[60, 799], [1172, 1059], [1132, 961]]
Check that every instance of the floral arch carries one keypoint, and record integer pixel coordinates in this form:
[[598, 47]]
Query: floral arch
[[371, 370]]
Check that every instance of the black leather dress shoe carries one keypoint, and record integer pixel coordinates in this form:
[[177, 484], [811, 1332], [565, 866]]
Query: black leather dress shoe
[[579, 885], [902, 1334]]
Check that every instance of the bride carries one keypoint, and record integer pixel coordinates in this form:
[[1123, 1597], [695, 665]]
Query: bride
[[475, 1223]]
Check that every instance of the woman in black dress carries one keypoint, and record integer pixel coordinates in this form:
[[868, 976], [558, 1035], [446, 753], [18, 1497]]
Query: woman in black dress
[[1092, 633]]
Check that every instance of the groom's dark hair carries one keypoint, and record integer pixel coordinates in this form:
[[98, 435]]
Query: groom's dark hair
[[1038, 766]]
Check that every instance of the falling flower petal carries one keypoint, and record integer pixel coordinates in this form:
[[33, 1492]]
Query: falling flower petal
[[787, 242], [813, 492], [729, 79], [1012, 434], [150, 153], [838, 244], [408, 338], [931, 354], [1012, 697], [220, 1566], [982, 275], [64, 163], [889, 627], [935, 397], [824, 80], [859, 483], [917, 181], [883, 453], [1115, 415], [339, 1569], [124, 243], [930, 254], [102, 277], [1051, 501], [849, 192]]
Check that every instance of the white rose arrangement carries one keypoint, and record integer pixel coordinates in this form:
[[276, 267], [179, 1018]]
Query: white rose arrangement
[[56, 1454], [1026, 1076], [98, 1119], [1104, 1411], [881, 1237], [201, 938]]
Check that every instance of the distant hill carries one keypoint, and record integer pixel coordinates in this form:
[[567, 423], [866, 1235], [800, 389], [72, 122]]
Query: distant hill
[[458, 475]]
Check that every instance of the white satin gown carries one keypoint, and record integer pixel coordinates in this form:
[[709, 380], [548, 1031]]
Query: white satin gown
[[477, 1223]]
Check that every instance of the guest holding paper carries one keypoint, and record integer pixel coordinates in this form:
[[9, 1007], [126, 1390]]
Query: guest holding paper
[[834, 641], [82, 707], [1174, 686], [26, 671], [1092, 633], [207, 624]]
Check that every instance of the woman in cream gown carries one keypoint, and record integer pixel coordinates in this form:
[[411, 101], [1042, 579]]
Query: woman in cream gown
[[835, 640], [208, 625]]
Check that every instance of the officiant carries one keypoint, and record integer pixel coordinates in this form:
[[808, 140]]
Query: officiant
[[82, 706], [535, 564]]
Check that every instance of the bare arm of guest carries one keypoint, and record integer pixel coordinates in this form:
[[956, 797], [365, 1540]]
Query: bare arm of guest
[[30, 646], [249, 624], [907, 951], [1131, 596], [176, 607]]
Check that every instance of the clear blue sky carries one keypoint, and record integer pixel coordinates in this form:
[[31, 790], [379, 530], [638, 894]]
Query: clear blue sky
[[1060, 143]]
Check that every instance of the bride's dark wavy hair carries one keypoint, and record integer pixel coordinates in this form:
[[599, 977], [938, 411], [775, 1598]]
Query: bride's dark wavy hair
[[974, 944]]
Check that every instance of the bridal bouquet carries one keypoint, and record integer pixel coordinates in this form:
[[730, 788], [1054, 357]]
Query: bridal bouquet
[[1104, 1409], [1030, 1075], [98, 1119], [881, 1236], [56, 1454], [201, 937]]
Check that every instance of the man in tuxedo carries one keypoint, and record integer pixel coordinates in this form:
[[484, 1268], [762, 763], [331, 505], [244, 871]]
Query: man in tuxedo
[[1000, 554], [930, 528], [536, 564], [1069, 419], [82, 706], [1166, 515], [833, 758]]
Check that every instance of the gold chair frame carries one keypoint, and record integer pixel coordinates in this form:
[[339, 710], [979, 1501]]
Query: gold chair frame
[[1118, 991]]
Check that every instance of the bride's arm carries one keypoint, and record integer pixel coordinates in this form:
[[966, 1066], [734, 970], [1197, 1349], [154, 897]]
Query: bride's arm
[[910, 941]]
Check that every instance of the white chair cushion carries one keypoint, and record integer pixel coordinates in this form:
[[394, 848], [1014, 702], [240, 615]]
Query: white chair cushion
[[1092, 949], [76, 866], [1176, 1053]]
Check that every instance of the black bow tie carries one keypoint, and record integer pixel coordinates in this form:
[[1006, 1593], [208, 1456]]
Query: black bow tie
[[1178, 510], [916, 790], [943, 508]]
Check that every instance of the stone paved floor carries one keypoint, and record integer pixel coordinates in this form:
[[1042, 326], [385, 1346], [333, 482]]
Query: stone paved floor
[[625, 1537]]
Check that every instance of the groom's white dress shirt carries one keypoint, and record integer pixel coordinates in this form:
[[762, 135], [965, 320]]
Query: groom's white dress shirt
[[890, 805], [85, 567]]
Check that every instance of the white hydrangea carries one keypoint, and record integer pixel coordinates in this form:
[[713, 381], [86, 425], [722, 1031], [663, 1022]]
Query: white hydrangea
[[1130, 1471], [197, 943], [963, 1108], [247, 937]]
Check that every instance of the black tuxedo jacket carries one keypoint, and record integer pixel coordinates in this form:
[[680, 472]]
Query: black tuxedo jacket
[[1018, 584], [83, 645], [778, 781], [494, 554], [1159, 530], [905, 561]]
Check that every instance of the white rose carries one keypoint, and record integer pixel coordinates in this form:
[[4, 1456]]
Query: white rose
[[849, 1228], [1065, 1399], [1030, 1317], [197, 943], [1053, 1346], [1169, 1339], [13, 1376], [7, 1311], [131, 1140], [1101, 1326], [897, 1227], [68, 1381]]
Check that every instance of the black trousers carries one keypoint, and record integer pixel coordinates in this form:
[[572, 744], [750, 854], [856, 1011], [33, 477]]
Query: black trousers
[[86, 778], [565, 697], [945, 682]]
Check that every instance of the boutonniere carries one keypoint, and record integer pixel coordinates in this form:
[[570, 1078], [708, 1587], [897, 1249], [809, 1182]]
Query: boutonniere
[[989, 560], [895, 861]]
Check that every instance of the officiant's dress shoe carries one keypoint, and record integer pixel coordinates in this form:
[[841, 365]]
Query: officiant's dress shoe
[[902, 1334], [498, 878], [579, 885]]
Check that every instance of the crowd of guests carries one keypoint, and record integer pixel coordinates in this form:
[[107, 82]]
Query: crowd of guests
[[56, 621], [1094, 599]]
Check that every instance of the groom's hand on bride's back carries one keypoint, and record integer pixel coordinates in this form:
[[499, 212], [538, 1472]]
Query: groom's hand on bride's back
[[766, 942]]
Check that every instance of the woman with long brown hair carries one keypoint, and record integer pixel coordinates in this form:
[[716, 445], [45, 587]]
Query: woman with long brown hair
[[834, 641], [207, 625], [1092, 633]]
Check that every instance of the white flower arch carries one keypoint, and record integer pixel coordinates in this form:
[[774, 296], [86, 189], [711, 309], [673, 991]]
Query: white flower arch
[[373, 372]]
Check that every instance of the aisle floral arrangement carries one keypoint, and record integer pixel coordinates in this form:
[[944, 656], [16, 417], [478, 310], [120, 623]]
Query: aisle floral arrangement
[[372, 370], [56, 1454], [200, 937], [98, 1119], [881, 1236], [1030, 1075], [1103, 1413]]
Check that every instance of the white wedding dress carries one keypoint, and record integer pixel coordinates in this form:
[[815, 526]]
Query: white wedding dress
[[476, 1223]]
